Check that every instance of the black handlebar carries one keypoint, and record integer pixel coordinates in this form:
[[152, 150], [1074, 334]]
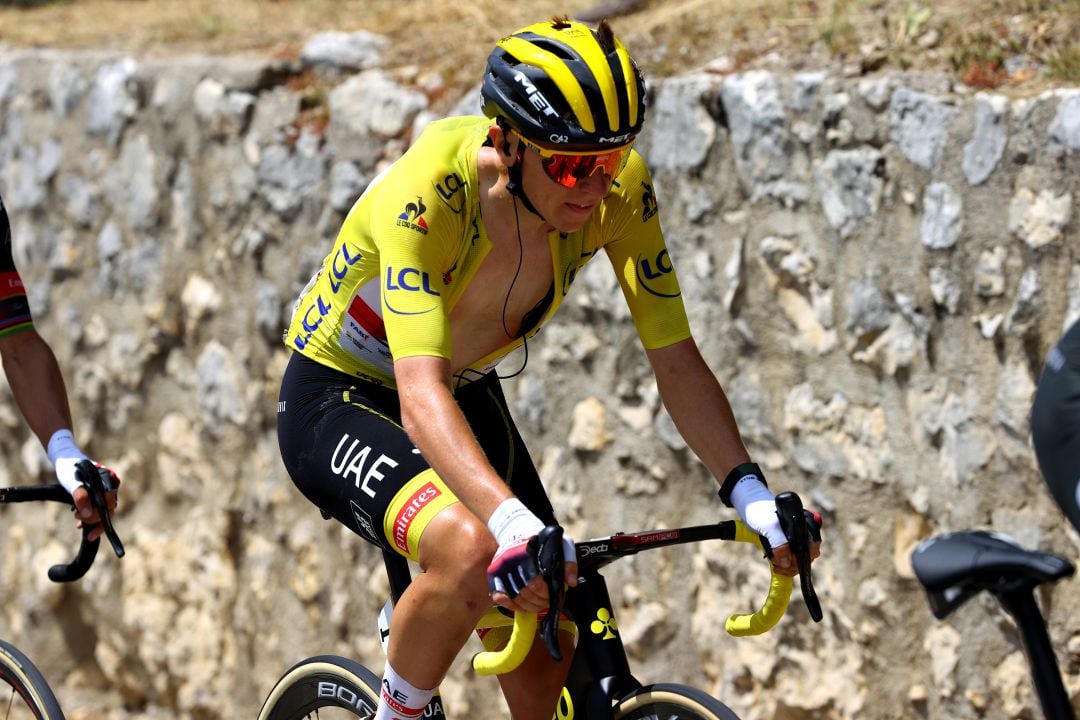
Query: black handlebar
[[801, 527], [98, 482], [75, 569]]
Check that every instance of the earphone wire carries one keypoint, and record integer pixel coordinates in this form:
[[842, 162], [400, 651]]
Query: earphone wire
[[506, 301]]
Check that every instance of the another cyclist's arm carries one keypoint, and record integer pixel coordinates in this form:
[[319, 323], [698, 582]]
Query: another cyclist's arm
[[38, 387], [36, 383]]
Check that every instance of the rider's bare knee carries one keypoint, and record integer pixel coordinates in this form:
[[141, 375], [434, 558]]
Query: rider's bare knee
[[474, 548], [459, 550]]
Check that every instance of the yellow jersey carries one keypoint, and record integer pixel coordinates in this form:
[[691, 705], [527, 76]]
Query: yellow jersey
[[414, 239]]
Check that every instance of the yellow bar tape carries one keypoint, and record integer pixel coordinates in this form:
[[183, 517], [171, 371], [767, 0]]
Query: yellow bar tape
[[510, 657], [775, 604], [739, 625]]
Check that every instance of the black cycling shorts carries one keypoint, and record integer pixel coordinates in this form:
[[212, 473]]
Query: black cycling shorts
[[343, 445], [1055, 423]]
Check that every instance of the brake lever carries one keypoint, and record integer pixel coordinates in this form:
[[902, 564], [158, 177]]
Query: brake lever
[[796, 524], [99, 482], [548, 546]]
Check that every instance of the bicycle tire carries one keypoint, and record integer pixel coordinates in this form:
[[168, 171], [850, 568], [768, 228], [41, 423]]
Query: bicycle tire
[[320, 683], [28, 688], [670, 701]]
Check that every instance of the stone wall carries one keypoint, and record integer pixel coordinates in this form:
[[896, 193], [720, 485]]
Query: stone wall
[[875, 267]]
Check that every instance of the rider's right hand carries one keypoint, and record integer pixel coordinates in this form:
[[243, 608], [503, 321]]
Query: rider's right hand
[[514, 580], [511, 570]]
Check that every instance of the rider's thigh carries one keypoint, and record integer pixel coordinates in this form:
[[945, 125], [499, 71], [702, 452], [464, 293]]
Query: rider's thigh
[[533, 690]]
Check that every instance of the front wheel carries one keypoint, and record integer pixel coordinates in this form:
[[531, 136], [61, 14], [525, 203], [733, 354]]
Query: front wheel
[[667, 701], [326, 686], [24, 694]]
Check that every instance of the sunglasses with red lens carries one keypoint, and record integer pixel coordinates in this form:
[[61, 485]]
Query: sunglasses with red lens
[[568, 168]]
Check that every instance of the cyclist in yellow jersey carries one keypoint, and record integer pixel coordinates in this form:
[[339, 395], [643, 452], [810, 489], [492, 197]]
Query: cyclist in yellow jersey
[[391, 418]]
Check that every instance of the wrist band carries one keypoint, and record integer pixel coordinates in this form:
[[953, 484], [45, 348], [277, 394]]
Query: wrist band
[[62, 445], [512, 521], [733, 477]]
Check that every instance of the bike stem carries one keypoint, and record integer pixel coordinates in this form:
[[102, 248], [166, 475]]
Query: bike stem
[[1045, 673]]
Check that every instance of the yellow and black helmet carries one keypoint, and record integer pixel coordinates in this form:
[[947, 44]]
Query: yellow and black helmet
[[564, 83]]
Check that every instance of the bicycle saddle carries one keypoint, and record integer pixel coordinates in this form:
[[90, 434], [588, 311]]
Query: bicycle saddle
[[954, 566]]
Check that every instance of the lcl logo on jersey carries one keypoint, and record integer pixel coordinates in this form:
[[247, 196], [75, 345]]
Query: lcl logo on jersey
[[447, 188], [412, 218], [339, 266], [653, 274], [409, 280]]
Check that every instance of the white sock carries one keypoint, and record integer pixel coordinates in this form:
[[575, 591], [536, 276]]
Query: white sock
[[399, 700]]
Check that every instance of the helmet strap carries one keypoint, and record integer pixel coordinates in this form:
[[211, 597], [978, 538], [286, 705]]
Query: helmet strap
[[517, 189], [515, 186]]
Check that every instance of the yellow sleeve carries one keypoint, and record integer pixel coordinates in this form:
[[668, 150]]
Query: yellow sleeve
[[637, 251], [416, 236]]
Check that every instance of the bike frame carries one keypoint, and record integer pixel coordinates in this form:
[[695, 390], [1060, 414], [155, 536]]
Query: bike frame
[[599, 672]]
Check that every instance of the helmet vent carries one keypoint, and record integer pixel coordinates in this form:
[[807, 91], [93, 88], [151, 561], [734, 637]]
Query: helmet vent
[[556, 48]]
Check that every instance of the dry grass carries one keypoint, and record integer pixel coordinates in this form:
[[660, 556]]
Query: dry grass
[[981, 41]]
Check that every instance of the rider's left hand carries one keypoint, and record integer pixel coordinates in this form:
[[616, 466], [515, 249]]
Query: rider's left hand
[[783, 561]]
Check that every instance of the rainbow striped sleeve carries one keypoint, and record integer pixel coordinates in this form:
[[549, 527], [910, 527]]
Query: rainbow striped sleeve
[[14, 307]]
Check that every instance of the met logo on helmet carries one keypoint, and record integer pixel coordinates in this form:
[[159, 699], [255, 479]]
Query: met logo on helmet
[[536, 98], [617, 139]]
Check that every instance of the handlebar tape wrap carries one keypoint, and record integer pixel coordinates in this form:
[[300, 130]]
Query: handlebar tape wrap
[[510, 657], [739, 625], [775, 604]]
